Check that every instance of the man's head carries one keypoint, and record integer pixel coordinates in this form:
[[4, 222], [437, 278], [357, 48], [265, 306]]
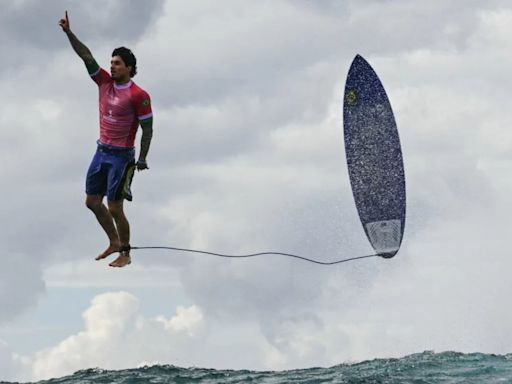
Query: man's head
[[123, 65]]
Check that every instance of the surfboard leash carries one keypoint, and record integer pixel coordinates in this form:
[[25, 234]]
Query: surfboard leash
[[260, 254]]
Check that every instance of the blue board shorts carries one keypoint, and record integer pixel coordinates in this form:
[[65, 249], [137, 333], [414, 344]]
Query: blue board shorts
[[111, 172]]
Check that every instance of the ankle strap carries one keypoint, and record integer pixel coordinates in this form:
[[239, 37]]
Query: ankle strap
[[125, 248]]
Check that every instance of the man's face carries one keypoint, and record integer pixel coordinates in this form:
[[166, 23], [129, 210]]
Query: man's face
[[118, 70]]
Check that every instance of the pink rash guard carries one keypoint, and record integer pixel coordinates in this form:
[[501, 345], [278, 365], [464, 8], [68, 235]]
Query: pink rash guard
[[122, 107]]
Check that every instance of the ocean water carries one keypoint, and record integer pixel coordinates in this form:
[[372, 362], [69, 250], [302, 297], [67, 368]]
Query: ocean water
[[426, 367]]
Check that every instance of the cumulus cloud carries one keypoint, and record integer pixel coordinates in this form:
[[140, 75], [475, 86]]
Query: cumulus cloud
[[187, 320], [116, 335]]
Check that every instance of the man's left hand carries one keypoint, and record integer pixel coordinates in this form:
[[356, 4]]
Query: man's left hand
[[142, 164]]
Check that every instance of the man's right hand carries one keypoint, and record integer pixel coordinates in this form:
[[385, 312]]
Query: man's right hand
[[64, 23], [81, 50]]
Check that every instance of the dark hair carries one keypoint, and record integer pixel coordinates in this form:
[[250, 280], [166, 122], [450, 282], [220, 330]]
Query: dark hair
[[128, 58]]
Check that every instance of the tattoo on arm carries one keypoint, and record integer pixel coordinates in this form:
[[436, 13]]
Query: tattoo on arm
[[145, 140], [81, 50]]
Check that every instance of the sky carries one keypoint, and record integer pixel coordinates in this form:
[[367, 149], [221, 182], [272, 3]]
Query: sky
[[247, 156]]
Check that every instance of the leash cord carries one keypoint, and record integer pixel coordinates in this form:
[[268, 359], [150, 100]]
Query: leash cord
[[260, 254]]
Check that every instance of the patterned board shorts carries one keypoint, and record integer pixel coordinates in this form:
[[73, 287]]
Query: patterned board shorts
[[111, 172]]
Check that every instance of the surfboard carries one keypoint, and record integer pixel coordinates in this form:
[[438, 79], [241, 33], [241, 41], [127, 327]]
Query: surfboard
[[374, 158]]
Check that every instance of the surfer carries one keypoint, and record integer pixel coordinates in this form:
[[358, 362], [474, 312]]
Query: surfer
[[123, 106]]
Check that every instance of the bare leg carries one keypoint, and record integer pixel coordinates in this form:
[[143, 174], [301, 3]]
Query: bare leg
[[123, 229], [95, 204]]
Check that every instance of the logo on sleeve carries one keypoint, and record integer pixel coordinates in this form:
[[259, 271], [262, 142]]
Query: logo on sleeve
[[145, 102]]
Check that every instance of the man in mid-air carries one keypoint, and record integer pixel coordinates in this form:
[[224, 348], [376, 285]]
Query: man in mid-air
[[123, 106]]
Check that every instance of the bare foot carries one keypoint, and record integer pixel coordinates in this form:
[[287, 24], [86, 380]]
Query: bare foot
[[113, 248], [122, 260]]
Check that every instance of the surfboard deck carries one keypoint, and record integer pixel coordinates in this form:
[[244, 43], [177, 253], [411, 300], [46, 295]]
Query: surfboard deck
[[374, 158]]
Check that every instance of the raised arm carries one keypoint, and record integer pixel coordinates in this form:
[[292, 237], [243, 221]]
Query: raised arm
[[79, 47]]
